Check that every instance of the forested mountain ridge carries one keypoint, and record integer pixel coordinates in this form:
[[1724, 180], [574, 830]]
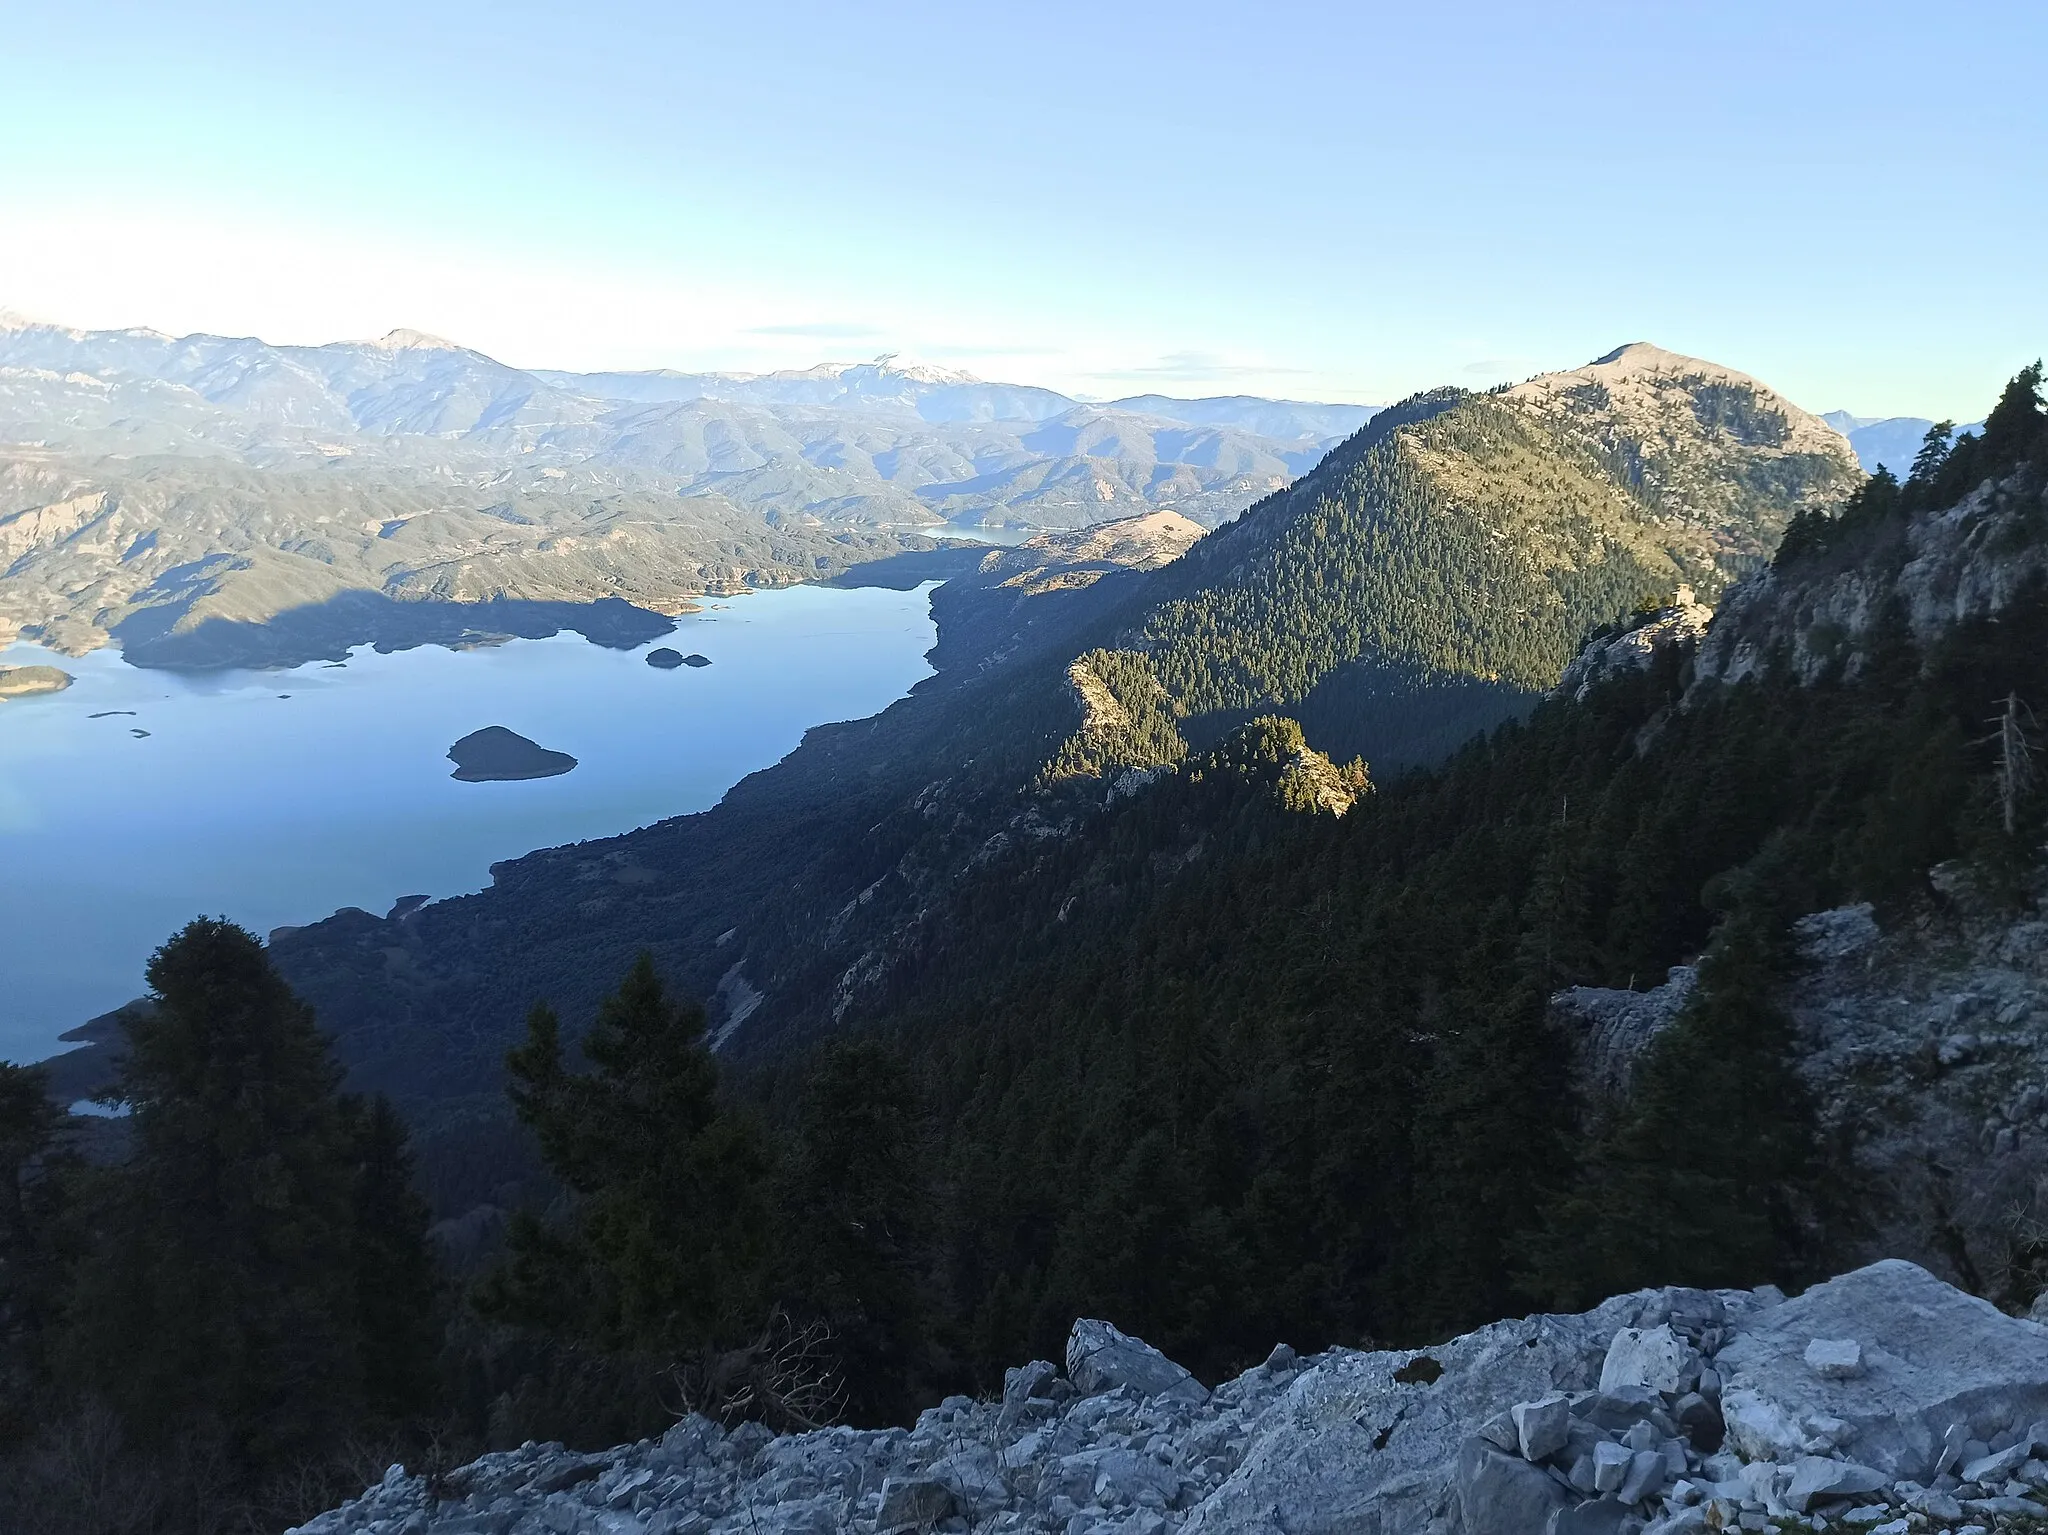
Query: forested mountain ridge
[[206, 562], [985, 614], [1454, 552], [1225, 1070]]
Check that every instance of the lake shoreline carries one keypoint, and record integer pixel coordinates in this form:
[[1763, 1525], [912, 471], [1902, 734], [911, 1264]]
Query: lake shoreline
[[278, 804]]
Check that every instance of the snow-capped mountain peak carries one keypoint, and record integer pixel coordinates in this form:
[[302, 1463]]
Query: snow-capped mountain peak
[[404, 340]]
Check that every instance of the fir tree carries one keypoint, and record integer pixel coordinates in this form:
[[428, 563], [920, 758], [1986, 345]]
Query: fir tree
[[29, 1206], [668, 1245], [218, 1284], [398, 1317], [858, 1211]]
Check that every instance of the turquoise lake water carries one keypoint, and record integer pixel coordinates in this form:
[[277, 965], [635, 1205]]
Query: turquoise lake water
[[275, 810]]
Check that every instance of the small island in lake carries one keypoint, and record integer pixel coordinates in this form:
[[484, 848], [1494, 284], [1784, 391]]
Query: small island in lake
[[668, 660], [21, 681], [496, 755]]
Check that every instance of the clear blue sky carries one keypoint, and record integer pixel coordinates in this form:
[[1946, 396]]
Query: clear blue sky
[[1345, 201]]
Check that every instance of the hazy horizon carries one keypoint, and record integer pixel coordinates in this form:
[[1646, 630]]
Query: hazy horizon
[[1312, 202]]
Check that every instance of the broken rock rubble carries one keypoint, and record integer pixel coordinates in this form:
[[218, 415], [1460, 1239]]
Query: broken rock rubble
[[1883, 1401]]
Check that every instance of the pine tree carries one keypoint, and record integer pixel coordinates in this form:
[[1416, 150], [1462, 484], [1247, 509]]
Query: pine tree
[[668, 1246], [29, 1206], [217, 1289], [858, 1211], [2017, 428], [1708, 1176], [1934, 451], [396, 1290], [1489, 1126]]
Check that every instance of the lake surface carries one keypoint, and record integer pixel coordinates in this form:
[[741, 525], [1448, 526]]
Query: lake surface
[[275, 811]]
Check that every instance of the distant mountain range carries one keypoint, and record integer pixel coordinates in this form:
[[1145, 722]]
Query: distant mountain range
[[1885, 442], [870, 442], [150, 483]]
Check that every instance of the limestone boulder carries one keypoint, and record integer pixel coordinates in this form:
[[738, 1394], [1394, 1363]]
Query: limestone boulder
[[1371, 1443], [1506, 1495], [1930, 1358], [1655, 1358], [1101, 1358]]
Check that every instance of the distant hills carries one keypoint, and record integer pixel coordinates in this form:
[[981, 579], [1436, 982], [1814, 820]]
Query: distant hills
[[873, 442], [256, 479], [942, 396], [1885, 442]]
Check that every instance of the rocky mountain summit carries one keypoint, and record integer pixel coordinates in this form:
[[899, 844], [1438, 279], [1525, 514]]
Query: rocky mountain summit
[[1883, 1401]]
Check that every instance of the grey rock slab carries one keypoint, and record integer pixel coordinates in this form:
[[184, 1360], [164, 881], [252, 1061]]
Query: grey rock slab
[[1645, 1475], [1124, 1476], [1028, 1383], [1599, 1516], [1654, 1358], [1936, 1505], [1500, 1432], [1815, 1476], [913, 1503], [568, 1472], [1835, 1358], [975, 1480], [1101, 1358], [1351, 1449], [1933, 1357], [1610, 1466], [1499, 1493], [1950, 1455], [1542, 1427], [1996, 1468], [1621, 1409]]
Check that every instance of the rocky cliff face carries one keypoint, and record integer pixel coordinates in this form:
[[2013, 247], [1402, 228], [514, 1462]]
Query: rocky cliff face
[[1924, 1043], [1631, 646], [1972, 561], [1883, 1400], [1921, 1036]]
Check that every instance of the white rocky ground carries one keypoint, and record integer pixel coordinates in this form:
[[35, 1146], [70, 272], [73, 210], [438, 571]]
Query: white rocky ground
[[1884, 1401]]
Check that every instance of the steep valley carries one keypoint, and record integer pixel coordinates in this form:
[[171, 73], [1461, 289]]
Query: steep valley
[[1428, 580]]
